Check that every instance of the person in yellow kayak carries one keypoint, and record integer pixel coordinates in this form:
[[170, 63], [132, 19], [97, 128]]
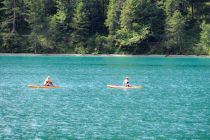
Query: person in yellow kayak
[[126, 82], [48, 81]]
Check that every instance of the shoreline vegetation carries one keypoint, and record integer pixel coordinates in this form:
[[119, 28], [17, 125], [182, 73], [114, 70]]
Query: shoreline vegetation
[[108, 55], [170, 27]]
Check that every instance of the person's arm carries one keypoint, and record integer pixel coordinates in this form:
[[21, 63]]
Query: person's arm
[[124, 83], [45, 82]]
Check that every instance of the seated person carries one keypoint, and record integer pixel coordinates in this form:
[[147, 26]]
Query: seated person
[[48, 81], [126, 82]]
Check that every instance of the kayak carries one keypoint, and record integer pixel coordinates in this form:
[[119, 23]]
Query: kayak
[[31, 86], [117, 86]]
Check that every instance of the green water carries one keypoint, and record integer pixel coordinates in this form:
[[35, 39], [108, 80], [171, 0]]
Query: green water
[[175, 103]]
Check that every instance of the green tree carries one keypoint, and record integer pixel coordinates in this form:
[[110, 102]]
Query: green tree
[[12, 24], [175, 33], [113, 15], [97, 10], [60, 25], [80, 25], [56, 25], [176, 17], [199, 8], [131, 33], [36, 17], [105, 26], [204, 45]]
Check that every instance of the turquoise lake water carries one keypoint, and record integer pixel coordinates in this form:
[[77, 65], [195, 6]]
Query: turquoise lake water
[[174, 103]]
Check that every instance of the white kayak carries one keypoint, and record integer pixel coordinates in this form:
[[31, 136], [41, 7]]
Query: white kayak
[[117, 86]]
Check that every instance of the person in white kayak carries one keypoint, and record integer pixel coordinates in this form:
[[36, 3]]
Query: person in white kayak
[[126, 82], [48, 81]]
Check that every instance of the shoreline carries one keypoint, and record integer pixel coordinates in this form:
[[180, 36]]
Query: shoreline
[[107, 55]]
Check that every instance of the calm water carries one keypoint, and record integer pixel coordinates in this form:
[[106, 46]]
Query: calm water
[[175, 103]]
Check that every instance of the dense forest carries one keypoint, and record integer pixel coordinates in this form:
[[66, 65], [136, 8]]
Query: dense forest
[[105, 26]]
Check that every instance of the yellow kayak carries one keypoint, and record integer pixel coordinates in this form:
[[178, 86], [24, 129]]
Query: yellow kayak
[[31, 86], [117, 86]]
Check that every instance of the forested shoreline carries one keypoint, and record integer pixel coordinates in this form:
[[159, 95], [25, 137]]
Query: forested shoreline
[[105, 26]]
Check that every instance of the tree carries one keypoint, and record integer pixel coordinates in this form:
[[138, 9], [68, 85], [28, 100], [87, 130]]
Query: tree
[[12, 20], [57, 24], [204, 45], [105, 26], [131, 32], [113, 15], [38, 25], [97, 10], [175, 33], [80, 24]]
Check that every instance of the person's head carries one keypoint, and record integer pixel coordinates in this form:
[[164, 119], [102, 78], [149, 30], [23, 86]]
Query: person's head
[[48, 77], [126, 77]]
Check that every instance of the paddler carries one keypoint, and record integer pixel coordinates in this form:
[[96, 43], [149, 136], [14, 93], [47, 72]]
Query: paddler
[[48, 81], [126, 82]]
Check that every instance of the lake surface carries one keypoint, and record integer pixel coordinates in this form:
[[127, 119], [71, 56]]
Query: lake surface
[[174, 103]]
